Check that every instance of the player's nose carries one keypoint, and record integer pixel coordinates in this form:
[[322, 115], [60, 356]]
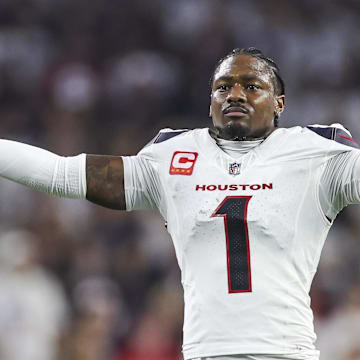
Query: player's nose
[[237, 93]]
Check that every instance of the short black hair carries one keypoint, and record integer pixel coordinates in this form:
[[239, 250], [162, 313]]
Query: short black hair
[[279, 85]]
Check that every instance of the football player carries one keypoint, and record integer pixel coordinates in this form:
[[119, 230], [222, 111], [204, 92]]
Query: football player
[[247, 203]]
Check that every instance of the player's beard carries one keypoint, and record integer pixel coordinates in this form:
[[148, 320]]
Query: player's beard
[[232, 131]]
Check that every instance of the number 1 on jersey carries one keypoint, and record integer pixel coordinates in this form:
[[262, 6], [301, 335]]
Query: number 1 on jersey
[[234, 211]]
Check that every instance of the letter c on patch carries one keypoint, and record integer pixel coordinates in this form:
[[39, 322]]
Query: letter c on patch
[[182, 163]]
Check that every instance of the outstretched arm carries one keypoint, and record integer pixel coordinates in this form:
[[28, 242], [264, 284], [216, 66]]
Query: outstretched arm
[[100, 179], [105, 181]]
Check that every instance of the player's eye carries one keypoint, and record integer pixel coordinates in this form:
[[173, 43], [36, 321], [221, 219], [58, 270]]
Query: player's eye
[[223, 87], [252, 87]]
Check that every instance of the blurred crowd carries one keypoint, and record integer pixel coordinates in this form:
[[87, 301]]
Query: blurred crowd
[[80, 282]]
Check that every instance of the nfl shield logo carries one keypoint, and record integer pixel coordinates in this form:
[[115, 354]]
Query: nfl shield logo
[[234, 168]]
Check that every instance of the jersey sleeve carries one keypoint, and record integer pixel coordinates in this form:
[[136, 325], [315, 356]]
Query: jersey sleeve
[[141, 180], [340, 183]]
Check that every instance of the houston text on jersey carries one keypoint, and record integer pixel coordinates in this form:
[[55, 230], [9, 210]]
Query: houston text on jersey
[[234, 187]]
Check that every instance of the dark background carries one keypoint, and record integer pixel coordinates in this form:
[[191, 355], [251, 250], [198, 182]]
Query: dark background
[[103, 77]]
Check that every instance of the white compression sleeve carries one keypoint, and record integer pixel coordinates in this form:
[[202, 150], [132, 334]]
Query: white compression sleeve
[[42, 170]]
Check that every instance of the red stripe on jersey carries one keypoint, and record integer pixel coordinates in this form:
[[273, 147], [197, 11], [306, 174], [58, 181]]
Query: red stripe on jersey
[[347, 138]]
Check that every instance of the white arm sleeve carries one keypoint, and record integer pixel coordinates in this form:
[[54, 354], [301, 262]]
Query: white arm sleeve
[[42, 170], [340, 183], [141, 183]]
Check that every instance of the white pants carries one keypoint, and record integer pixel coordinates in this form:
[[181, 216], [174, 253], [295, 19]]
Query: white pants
[[260, 357]]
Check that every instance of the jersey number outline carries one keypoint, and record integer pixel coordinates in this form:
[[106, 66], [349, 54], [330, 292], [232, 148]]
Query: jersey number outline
[[233, 209]]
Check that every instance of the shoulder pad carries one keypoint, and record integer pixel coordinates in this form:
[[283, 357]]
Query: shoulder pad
[[335, 132], [165, 134]]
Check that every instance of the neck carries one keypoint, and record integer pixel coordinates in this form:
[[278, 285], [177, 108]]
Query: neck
[[236, 149]]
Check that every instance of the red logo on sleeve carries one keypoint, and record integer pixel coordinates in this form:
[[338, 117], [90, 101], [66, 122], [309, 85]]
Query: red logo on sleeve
[[183, 162]]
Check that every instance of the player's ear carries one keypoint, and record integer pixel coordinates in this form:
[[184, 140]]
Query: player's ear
[[210, 114], [279, 104]]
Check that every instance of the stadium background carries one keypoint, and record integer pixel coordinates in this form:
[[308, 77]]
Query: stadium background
[[80, 282]]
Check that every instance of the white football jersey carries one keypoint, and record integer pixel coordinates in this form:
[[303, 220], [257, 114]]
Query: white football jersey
[[248, 234]]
